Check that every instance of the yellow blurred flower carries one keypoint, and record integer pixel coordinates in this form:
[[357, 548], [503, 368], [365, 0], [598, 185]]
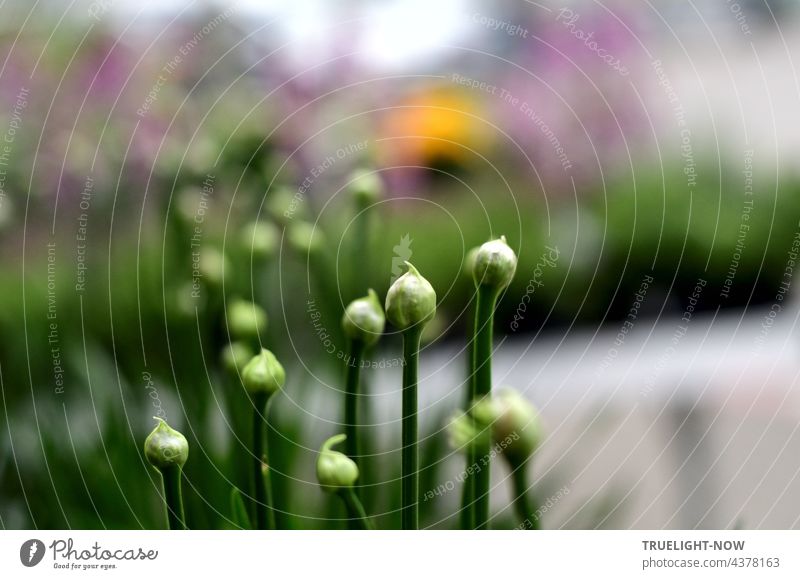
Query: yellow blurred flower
[[434, 126]]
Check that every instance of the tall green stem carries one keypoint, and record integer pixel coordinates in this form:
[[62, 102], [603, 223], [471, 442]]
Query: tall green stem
[[410, 454], [265, 518], [467, 514], [238, 422], [351, 426], [522, 501], [355, 510], [362, 252], [482, 386], [173, 499]]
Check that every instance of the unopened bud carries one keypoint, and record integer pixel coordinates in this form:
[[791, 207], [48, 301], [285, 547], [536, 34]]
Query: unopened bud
[[364, 319], [305, 239], [495, 264], [514, 421], [165, 447], [335, 470], [246, 320], [411, 301], [366, 187], [260, 239], [263, 374], [235, 356]]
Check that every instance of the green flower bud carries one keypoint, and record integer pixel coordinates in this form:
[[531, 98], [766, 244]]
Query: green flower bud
[[263, 374], [411, 300], [213, 266], [366, 187], [514, 422], [495, 264], [246, 320], [260, 239], [186, 204], [282, 205], [364, 320], [187, 300], [469, 262], [462, 431], [234, 357], [201, 155], [305, 239], [165, 447], [335, 470]]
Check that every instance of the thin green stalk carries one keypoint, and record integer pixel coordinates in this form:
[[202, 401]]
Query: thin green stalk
[[237, 421], [369, 466], [410, 454], [482, 386], [353, 443], [173, 500], [410, 304], [366, 189], [351, 427], [265, 518], [363, 323], [355, 510], [167, 450], [362, 252], [467, 514], [522, 502], [277, 481]]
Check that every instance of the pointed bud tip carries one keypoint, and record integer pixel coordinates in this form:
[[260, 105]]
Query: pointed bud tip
[[333, 441]]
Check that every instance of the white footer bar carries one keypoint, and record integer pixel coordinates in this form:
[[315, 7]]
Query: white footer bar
[[388, 554]]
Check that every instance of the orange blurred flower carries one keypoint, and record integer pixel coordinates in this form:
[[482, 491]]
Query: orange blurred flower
[[434, 126]]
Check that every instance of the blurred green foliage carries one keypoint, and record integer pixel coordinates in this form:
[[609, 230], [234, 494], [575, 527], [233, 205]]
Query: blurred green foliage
[[136, 341]]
